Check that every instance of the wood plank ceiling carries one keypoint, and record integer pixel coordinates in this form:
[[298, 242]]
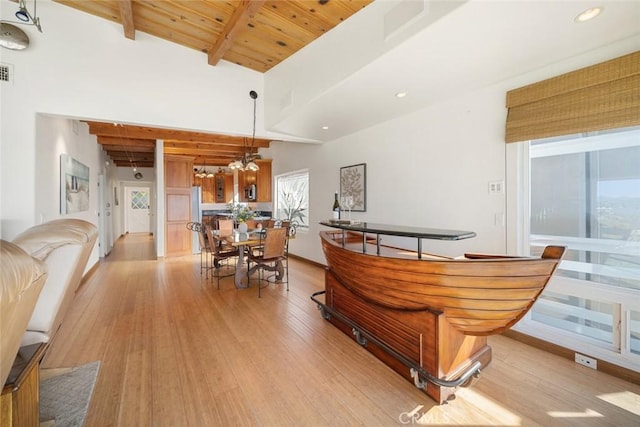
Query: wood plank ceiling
[[256, 34], [130, 146]]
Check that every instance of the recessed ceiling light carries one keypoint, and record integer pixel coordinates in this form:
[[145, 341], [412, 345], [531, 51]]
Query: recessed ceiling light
[[588, 14], [325, 127], [401, 94]]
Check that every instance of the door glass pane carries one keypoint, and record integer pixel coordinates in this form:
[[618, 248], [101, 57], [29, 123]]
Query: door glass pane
[[139, 199]]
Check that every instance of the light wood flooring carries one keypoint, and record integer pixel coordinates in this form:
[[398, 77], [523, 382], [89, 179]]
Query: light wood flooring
[[176, 351]]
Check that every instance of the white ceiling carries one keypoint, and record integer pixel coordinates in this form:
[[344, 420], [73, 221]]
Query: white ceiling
[[477, 44]]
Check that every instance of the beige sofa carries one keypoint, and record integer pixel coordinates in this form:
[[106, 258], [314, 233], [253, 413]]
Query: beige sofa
[[21, 280], [64, 245]]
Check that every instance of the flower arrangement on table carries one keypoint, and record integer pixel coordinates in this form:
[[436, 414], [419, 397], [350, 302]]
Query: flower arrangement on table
[[241, 213]]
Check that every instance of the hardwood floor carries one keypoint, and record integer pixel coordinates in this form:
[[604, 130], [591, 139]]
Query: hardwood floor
[[175, 351]]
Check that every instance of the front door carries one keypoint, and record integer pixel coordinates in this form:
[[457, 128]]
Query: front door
[[138, 216]]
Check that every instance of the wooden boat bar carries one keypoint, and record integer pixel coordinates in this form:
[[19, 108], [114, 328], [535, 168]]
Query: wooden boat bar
[[428, 317], [367, 228]]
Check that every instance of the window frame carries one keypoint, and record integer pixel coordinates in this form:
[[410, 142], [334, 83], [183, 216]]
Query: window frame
[[276, 196], [518, 241]]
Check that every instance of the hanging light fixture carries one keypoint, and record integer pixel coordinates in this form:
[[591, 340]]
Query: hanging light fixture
[[203, 173], [25, 17], [247, 163]]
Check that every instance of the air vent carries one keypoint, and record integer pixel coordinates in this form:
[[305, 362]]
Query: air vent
[[402, 14], [6, 72]]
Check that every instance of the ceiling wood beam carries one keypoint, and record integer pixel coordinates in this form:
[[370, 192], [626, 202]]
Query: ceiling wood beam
[[114, 140], [126, 15], [125, 155], [212, 161], [238, 22], [213, 152], [127, 148], [169, 135], [222, 140]]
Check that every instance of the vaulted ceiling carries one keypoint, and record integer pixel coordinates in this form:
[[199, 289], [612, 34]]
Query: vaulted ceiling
[[256, 34], [450, 48]]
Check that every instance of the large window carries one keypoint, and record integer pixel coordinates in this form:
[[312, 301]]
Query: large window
[[292, 197], [584, 193]]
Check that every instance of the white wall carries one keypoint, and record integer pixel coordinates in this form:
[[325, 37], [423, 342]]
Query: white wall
[[83, 67], [56, 136], [430, 168], [427, 169]]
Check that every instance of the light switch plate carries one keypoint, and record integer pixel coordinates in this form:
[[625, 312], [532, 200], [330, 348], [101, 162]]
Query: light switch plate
[[496, 187]]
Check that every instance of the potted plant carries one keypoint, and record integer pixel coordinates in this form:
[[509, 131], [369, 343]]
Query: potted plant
[[293, 210]]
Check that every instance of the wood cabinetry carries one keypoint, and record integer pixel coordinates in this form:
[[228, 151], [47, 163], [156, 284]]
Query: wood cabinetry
[[263, 181], [177, 185], [218, 189], [223, 187], [206, 187], [19, 402], [261, 178], [228, 187]]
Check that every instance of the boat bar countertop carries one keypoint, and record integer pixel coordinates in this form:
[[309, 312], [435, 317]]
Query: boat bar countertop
[[418, 233]]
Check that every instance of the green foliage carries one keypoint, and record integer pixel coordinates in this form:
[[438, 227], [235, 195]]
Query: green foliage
[[292, 207], [240, 212]]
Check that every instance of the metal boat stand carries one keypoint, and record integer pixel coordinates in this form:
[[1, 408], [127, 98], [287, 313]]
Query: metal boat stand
[[416, 371]]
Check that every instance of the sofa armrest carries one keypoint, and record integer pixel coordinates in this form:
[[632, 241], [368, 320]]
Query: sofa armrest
[[21, 280], [65, 246]]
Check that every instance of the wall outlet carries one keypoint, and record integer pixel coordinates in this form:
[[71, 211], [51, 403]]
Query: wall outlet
[[586, 361]]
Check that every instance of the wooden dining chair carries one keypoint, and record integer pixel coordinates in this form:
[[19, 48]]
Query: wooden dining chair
[[271, 256], [220, 257], [251, 224], [225, 224]]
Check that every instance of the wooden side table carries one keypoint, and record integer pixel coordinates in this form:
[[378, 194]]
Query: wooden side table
[[20, 399]]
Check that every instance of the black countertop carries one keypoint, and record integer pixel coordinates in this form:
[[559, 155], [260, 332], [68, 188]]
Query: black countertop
[[404, 231]]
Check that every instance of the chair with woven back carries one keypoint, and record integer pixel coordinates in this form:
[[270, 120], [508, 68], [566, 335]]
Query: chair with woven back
[[220, 255], [271, 256]]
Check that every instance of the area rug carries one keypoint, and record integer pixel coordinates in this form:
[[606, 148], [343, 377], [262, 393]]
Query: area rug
[[65, 397]]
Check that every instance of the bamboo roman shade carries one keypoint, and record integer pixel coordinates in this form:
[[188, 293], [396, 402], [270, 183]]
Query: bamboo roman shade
[[602, 96]]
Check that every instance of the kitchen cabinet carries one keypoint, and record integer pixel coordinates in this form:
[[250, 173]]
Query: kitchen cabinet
[[261, 178], [228, 188], [223, 187], [206, 187]]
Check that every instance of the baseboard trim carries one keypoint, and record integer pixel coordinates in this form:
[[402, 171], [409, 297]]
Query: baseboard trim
[[308, 261], [603, 366]]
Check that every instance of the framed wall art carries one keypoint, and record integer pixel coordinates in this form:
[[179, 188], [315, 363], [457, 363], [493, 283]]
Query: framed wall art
[[74, 185], [353, 187]]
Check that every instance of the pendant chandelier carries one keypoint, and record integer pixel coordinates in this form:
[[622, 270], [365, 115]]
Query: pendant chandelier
[[202, 172], [247, 163]]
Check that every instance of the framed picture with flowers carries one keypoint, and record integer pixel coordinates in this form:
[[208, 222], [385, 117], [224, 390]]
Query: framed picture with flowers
[[353, 187]]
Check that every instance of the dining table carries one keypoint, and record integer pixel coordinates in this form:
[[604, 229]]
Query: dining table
[[242, 241]]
